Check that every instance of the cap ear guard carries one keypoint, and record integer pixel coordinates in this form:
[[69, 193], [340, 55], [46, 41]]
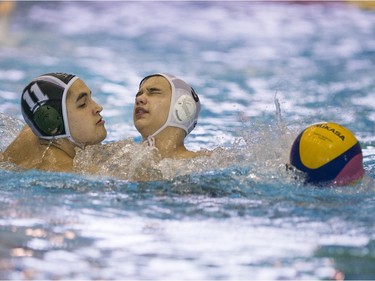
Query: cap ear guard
[[184, 109], [48, 120]]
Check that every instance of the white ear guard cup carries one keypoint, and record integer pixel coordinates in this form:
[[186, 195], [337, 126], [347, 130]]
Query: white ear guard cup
[[184, 109]]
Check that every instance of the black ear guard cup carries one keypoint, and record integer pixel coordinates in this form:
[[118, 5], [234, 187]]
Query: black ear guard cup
[[48, 120]]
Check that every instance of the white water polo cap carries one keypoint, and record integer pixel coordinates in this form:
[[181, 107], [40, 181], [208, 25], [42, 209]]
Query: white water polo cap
[[43, 105], [185, 106]]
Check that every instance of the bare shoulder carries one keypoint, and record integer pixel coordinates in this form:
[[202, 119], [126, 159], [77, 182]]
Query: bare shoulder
[[27, 152], [203, 152], [22, 147], [192, 154]]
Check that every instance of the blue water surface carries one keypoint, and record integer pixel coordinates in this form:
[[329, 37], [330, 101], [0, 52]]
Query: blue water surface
[[239, 215]]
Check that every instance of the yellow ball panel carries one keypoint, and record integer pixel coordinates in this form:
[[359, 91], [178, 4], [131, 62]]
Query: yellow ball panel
[[323, 142]]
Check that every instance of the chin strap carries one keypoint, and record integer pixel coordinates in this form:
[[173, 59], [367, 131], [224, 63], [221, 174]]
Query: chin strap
[[151, 141], [57, 143], [80, 145]]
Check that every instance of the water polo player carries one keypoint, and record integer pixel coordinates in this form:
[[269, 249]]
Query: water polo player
[[328, 153], [166, 110], [60, 115]]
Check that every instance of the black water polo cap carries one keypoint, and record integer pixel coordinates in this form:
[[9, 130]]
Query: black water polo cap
[[43, 105]]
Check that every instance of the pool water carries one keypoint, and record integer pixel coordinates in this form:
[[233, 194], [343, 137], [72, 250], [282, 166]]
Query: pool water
[[263, 71]]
